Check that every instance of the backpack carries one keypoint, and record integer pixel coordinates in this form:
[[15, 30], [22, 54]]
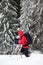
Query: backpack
[[28, 37]]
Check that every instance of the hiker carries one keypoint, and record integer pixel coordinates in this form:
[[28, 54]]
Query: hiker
[[24, 41]]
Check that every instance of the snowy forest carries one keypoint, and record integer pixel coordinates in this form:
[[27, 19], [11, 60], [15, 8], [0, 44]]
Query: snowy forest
[[23, 14]]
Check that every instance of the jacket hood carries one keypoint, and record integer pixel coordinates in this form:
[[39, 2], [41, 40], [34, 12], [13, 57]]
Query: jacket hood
[[20, 33]]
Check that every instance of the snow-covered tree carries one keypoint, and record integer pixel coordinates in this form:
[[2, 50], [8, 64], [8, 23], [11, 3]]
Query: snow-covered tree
[[8, 25], [31, 19]]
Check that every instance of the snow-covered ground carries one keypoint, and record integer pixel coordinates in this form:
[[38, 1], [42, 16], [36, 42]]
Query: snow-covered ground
[[35, 58]]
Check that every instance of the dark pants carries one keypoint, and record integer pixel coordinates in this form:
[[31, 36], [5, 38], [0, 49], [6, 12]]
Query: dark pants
[[25, 51]]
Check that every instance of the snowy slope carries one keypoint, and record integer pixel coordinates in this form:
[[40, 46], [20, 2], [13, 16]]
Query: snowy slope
[[35, 58]]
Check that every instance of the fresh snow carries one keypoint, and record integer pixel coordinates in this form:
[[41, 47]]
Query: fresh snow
[[36, 58]]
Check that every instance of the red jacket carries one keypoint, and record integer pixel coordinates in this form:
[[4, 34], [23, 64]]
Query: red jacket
[[22, 39]]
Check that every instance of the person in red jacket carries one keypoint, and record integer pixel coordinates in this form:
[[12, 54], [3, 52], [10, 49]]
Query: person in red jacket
[[23, 41]]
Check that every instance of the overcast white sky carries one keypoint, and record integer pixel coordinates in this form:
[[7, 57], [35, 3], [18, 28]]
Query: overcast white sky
[[34, 59]]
